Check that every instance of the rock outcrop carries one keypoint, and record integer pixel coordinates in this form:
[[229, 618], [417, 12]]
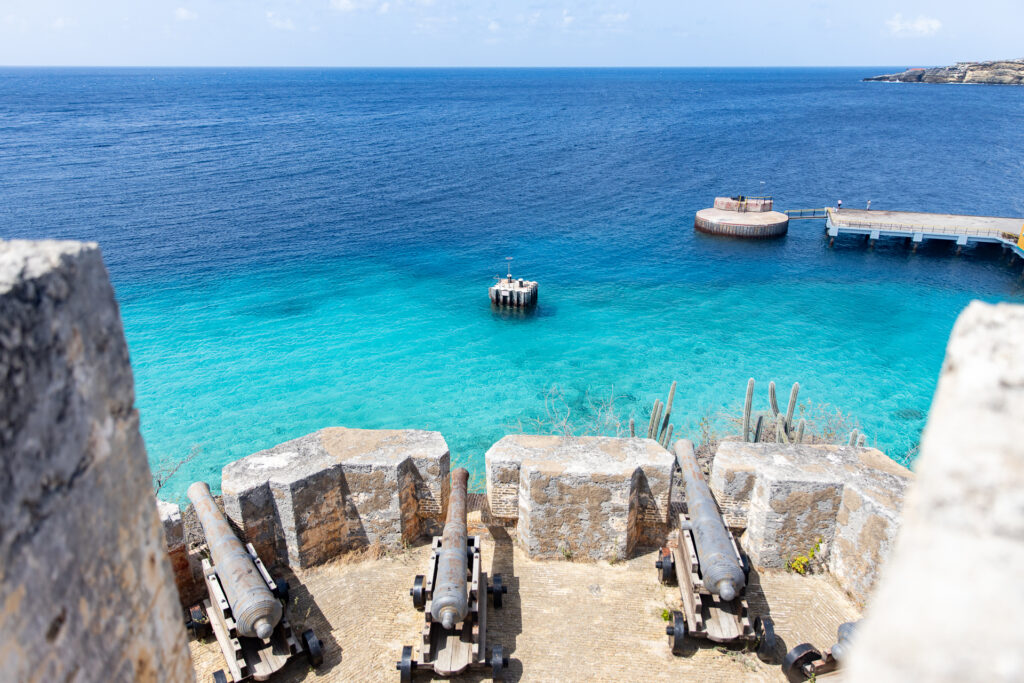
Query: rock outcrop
[[1003, 72]]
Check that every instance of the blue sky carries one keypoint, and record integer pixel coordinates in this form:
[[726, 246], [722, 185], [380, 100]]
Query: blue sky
[[507, 32]]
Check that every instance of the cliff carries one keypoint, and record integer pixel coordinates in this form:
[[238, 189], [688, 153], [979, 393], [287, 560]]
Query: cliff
[[1003, 72]]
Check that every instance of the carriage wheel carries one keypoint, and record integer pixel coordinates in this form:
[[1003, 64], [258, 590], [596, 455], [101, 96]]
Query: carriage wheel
[[764, 629], [406, 666], [497, 590], [676, 632], [797, 659], [418, 593], [499, 663], [666, 566], [314, 648]]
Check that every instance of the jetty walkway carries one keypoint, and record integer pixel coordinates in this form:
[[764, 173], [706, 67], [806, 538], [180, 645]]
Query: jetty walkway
[[917, 227]]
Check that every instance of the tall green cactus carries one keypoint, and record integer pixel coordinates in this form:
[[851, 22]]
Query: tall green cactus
[[746, 409], [758, 428], [668, 411], [772, 399], [780, 432], [800, 430], [861, 440], [655, 419], [853, 438], [632, 427], [650, 424], [793, 393], [667, 438]]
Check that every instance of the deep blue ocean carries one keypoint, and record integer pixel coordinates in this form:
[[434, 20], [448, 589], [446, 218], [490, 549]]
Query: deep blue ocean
[[294, 249]]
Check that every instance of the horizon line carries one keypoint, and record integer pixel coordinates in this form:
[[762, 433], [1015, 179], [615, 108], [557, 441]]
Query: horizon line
[[442, 66]]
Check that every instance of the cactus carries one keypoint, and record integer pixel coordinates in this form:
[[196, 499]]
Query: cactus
[[853, 438], [758, 428], [650, 425], [668, 438], [655, 419], [800, 430], [780, 432], [861, 440], [788, 425], [772, 399], [632, 427], [746, 409], [668, 410]]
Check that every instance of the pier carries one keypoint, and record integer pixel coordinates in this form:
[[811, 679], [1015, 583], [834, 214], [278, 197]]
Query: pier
[[916, 227]]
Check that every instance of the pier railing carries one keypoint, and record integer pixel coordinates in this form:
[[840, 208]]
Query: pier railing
[[915, 227], [798, 214]]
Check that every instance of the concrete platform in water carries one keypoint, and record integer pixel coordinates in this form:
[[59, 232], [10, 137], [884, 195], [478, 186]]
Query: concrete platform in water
[[515, 292], [917, 227], [749, 217]]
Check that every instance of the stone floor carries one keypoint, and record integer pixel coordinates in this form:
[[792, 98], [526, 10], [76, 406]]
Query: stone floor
[[561, 621]]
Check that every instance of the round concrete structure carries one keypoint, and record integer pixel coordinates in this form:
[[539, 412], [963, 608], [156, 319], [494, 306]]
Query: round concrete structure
[[751, 218]]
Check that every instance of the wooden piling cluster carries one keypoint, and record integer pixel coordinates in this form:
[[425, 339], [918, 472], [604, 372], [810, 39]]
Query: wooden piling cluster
[[513, 292]]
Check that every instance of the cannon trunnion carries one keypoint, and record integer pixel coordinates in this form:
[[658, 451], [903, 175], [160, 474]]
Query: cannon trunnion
[[453, 597]]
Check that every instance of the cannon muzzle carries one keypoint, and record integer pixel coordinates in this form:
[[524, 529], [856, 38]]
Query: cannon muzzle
[[254, 607], [719, 566], [450, 601]]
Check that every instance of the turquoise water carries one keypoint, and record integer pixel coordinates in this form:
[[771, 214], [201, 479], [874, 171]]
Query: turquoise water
[[300, 249]]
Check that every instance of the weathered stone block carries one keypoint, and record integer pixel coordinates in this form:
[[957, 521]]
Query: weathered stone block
[[86, 588], [305, 501], [795, 495], [186, 578], [948, 606], [584, 497]]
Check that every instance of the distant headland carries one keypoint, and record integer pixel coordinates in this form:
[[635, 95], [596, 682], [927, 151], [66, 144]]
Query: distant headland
[[1002, 72]]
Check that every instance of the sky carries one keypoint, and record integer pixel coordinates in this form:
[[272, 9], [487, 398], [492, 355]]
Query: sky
[[508, 32]]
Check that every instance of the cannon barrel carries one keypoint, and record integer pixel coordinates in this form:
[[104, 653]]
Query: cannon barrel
[[255, 609], [844, 638], [719, 566], [450, 600]]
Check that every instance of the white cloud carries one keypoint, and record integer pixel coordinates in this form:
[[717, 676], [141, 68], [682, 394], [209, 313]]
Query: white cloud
[[61, 23], [184, 14], [494, 26], [922, 26], [567, 18], [357, 5], [615, 18], [279, 22]]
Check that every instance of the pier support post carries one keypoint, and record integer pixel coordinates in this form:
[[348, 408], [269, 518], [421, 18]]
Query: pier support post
[[831, 241]]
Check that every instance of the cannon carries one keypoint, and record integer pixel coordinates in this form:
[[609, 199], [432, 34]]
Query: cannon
[[453, 596], [711, 572], [247, 609], [806, 661]]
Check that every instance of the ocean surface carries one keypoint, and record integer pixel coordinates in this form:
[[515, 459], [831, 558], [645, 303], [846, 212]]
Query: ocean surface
[[294, 249]]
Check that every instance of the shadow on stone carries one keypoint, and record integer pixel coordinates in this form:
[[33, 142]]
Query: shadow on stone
[[305, 614]]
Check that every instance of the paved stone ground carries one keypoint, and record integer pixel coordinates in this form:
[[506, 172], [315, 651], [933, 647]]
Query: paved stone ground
[[561, 621]]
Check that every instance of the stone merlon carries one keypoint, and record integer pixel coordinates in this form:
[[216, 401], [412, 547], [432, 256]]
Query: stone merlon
[[307, 500], [584, 497], [795, 495]]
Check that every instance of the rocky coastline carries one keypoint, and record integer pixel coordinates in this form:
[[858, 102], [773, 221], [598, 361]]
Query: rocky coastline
[[1001, 72]]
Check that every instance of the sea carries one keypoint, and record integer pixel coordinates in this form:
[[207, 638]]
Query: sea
[[295, 249]]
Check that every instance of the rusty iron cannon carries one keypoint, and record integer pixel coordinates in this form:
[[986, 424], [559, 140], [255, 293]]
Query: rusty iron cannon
[[247, 609], [710, 570], [453, 596]]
